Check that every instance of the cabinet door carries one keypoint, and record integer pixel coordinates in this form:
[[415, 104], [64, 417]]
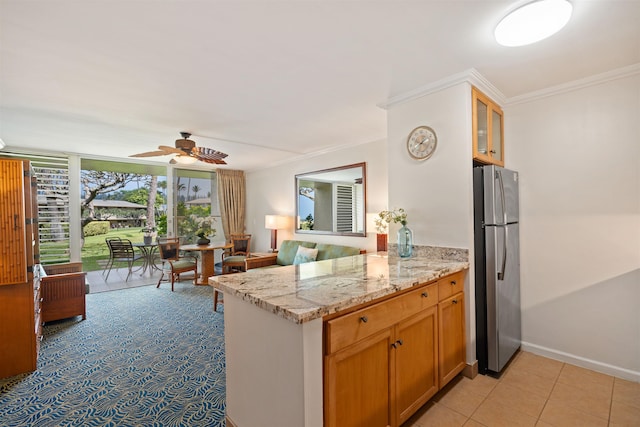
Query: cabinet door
[[451, 337], [358, 384], [13, 259], [488, 140], [416, 367]]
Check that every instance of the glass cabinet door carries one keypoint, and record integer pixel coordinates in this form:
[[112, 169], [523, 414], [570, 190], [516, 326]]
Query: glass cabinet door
[[488, 139], [481, 132], [496, 135]]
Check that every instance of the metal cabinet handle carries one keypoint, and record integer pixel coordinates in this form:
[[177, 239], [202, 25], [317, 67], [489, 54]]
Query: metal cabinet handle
[[396, 344], [453, 283], [425, 294], [400, 342], [364, 319], [455, 301]]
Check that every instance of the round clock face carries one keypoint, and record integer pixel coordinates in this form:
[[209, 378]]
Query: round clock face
[[422, 142]]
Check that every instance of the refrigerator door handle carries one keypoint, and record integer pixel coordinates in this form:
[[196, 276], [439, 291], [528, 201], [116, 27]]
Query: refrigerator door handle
[[504, 253], [502, 198]]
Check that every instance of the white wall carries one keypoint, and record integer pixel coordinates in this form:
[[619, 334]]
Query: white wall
[[578, 154], [436, 193], [272, 191]]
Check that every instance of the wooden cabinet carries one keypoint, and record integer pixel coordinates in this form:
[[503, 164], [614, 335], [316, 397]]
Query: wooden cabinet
[[416, 367], [451, 327], [20, 326], [383, 361], [488, 129], [358, 385]]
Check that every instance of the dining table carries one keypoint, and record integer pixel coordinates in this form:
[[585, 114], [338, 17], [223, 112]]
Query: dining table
[[207, 256]]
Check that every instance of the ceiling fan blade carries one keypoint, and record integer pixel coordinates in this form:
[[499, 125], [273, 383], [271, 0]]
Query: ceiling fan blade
[[170, 150], [150, 154], [209, 155]]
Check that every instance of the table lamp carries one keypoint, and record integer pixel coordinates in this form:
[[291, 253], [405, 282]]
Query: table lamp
[[275, 223]]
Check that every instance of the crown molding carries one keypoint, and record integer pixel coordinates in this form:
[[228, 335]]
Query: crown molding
[[596, 79], [471, 76]]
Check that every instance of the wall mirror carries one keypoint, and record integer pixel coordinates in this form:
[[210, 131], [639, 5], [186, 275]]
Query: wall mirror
[[332, 201]]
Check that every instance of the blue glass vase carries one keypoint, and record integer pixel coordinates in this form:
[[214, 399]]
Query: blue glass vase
[[405, 242]]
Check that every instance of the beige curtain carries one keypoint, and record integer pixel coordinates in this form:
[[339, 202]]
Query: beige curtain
[[232, 196]]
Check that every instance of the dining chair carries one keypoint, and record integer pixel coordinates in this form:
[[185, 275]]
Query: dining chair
[[172, 263], [238, 253], [122, 251]]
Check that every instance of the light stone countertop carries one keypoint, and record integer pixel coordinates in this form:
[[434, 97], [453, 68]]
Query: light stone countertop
[[305, 292]]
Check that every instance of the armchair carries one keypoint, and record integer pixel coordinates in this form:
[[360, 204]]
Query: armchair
[[172, 263]]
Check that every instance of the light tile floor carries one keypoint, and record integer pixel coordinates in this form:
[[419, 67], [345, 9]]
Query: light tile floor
[[534, 391]]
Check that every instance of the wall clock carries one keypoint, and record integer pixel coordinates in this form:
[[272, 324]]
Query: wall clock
[[422, 142]]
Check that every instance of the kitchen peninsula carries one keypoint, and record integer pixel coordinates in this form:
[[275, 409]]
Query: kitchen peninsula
[[283, 326]]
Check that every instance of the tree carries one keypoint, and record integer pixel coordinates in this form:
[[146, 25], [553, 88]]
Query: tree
[[195, 190], [95, 183], [151, 203]]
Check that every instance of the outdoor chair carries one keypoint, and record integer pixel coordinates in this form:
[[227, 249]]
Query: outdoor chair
[[122, 251], [173, 264]]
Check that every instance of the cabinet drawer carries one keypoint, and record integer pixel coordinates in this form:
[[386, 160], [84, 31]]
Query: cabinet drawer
[[348, 329], [451, 285]]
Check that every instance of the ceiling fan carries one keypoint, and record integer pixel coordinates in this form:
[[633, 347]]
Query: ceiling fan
[[187, 152]]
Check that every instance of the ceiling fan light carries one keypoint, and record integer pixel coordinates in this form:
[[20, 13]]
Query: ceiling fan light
[[533, 22], [186, 160]]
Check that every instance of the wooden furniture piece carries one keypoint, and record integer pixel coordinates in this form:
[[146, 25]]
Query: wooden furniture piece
[[488, 129], [240, 251], [121, 250], [63, 292], [207, 255], [291, 308], [207, 258], [172, 263], [384, 361], [20, 321]]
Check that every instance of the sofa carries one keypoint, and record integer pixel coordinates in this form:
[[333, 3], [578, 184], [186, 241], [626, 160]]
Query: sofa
[[286, 255], [62, 290]]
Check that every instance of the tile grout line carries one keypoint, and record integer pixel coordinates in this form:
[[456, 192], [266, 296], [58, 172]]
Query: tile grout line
[[550, 393]]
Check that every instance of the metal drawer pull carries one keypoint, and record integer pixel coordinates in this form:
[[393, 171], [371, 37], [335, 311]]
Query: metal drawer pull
[[425, 294], [453, 283], [455, 301], [364, 319], [399, 342]]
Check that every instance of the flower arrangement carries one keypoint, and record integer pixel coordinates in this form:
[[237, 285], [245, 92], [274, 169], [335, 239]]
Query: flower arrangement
[[384, 218], [205, 226], [204, 234], [148, 230]]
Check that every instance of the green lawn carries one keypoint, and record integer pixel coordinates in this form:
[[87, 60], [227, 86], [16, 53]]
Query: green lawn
[[95, 247]]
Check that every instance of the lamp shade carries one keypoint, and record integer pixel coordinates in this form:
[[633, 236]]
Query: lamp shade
[[275, 222]]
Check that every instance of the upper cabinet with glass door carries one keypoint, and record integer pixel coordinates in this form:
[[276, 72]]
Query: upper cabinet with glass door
[[488, 125]]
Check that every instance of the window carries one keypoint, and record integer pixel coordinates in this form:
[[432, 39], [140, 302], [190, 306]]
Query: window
[[53, 205], [196, 205]]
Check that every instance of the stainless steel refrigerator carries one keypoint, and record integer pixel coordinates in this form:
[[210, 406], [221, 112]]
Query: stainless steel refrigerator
[[497, 266]]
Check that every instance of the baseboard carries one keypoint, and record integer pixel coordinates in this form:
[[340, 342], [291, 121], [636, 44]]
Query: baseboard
[[228, 422], [471, 370], [572, 359]]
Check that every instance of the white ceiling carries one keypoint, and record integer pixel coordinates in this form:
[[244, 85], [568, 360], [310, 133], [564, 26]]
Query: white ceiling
[[265, 81]]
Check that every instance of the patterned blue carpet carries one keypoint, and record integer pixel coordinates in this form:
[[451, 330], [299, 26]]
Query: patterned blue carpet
[[143, 357]]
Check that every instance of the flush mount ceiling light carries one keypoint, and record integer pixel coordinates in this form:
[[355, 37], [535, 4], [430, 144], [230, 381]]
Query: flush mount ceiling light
[[533, 22]]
